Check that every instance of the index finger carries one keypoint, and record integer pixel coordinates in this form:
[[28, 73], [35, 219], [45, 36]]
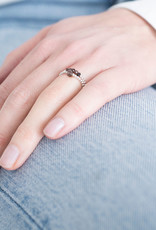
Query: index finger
[[30, 132]]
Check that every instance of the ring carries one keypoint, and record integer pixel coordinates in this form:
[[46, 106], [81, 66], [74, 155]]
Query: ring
[[73, 72]]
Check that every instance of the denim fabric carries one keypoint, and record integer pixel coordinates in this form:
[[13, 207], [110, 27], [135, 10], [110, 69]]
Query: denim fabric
[[100, 176], [40, 13]]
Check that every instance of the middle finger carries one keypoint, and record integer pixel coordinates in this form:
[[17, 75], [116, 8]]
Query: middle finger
[[19, 102], [55, 96]]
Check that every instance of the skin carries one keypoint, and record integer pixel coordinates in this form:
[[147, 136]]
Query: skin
[[115, 51]]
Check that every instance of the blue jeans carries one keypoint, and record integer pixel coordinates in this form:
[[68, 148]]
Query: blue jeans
[[100, 176]]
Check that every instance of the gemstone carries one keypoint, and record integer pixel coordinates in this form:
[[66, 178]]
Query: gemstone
[[70, 72]]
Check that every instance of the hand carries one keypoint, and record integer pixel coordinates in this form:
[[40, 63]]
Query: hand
[[115, 51]]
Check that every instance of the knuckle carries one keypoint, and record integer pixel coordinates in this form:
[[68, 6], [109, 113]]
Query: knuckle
[[20, 97], [46, 45], [73, 47], [50, 94], [61, 26], [62, 23], [45, 30], [25, 133], [3, 140], [43, 47], [75, 108], [98, 89], [10, 56], [4, 89], [4, 92], [103, 89], [99, 52]]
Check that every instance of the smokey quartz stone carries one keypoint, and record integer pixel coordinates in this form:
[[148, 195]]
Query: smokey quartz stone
[[70, 71]]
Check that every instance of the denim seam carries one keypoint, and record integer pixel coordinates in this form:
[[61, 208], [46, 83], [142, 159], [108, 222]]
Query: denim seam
[[20, 207]]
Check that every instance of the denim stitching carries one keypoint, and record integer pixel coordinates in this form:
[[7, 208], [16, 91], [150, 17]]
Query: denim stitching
[[19, 206]]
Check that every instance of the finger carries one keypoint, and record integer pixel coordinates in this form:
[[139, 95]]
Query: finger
[[41, 106], [101, 89], [52, 46], [22, 98], [20, 101], [14, 57], [59, 92], [30, 132], [33, 60]]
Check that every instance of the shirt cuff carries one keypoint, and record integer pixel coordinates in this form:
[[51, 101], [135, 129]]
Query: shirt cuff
[[144, 8]]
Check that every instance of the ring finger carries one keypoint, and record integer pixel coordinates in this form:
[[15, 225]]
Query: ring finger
[[20, 101], [49, 102]]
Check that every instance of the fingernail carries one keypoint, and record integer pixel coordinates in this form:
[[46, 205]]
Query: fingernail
[[9, 156], [53, 127]]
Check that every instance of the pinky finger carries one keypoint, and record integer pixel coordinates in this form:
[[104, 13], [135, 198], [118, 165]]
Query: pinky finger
[[101, 89], [15, 56]]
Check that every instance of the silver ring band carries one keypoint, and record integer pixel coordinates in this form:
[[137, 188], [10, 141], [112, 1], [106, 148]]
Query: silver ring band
[[71, 72]]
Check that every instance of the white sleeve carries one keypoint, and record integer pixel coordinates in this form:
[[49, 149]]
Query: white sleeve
[[144, 8], [4, 2]]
